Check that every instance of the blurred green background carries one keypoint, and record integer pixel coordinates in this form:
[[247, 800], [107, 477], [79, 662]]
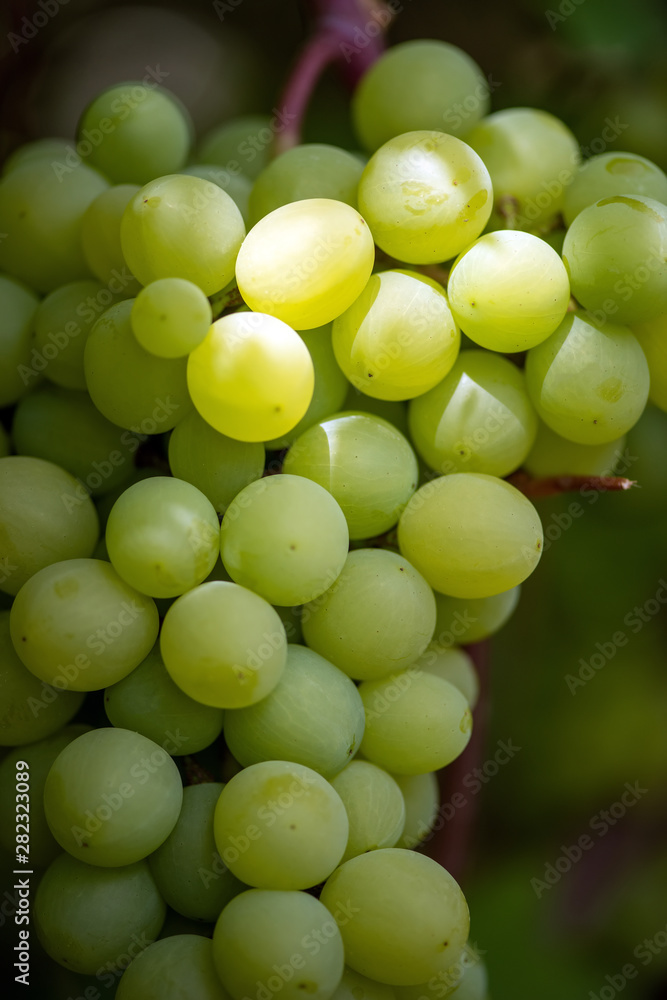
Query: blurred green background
[[586, 62]]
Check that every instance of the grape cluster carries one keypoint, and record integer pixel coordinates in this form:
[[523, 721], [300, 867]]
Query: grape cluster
[[321, 516]]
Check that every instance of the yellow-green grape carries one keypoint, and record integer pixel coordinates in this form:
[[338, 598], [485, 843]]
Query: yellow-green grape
[[330, 387], [170, 317], [470, 619], [378, 617], [263, 930], [610, 174], [284, 537], [416, 722], [182, 227], [41, 213], [478, 419], [62, 323], [46, 516], [63, 425], [364, 462], [374, 805], [18, 370], [589, 381], [314, 716], [531, 157], [223, 645], [410, 919], [393, 411], [424, 84], [134, 132], [148, 702], [112, 797], [426, 196], [130, 387], [100, 239], [86, 917], [453, 665], [399, 338], [471, 535], [77, 626], [237, 186], [466, 979], [553, 455], [508, 291], [652, 336], [280, 825], [615, 253], [252, 377], [35, 151], [354, 986], [241, 145], [306, 262], [422, 800], [31, 710], [174, 967], [312, 170]]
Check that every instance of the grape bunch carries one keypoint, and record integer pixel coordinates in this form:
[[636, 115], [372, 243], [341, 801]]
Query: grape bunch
[[261, 419]]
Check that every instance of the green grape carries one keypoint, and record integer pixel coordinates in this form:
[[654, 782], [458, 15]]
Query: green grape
[[452, 665], [652, 336], [471, 535], [306, 262], [64, 426], [38, 757], [402, 917], [46, 516], [615, 254], [19, 305], [242, 145], [170, 317], [422, 800], [423, 84], [100, 239], [280, 825], [398, 339], [41, 212], [589, 381], [180, 966], [182, 227], [36, 151], [330, 387], [129, 386], [466, 979], [163, 536], [77, 626], [112, 797], [508, 291], [312, 170], [104, 504], [531, 157], [62, 323], [393, 411], [31, 710], [377, 617], [252, 377], [364, 462], [265, 941], [135, 132], [478, 419], [187, 868], [415, 722], [553, 455], [314, 716], [217, 465], [611, 174], [374, 805], [426, 196], [237, 186], [285, 538], [89, 918], [223, 645], [470, 619], [354, 986], [148, 702]]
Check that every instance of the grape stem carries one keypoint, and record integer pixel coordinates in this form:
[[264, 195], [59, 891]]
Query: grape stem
[[536, 489], [346, 32]]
